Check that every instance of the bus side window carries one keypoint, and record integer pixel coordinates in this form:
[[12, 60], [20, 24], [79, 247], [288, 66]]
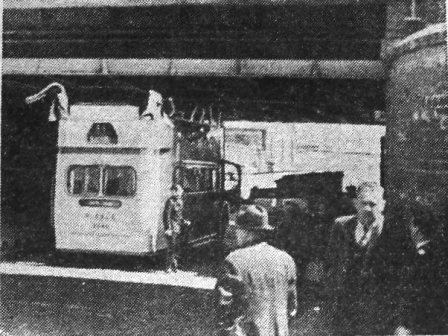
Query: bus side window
[[215, 179], [205, 179], [177, 177], [210, 179], [189, 180], [199, 179]]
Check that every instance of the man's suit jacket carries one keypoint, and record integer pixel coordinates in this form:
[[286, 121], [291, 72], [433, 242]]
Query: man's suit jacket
[[372, 299], [259, 284], [173, 215], [339, 250]]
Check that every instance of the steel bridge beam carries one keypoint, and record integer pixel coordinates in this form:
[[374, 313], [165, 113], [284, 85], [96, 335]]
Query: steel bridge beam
[[36, 4], [348, 69]]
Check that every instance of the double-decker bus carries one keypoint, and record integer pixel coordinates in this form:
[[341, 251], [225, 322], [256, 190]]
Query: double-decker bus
[[116, 164]]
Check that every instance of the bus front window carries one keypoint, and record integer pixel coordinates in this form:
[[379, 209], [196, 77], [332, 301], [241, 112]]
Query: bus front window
[[93, 180], [76, 180], [119, 181], [83, 179]]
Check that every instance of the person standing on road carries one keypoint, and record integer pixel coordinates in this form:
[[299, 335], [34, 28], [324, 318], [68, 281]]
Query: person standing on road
[[256, 290], [175, 226], [356, 266], [291, 232]]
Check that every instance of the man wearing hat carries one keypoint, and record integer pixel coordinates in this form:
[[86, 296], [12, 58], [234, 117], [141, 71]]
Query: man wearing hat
[[256, 289]]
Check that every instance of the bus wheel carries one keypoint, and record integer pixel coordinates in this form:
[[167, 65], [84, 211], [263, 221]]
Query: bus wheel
[[57, 258]]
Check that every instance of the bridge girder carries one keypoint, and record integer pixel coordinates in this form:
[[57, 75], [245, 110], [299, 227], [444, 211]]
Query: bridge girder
[[34, 4], [348, 69]]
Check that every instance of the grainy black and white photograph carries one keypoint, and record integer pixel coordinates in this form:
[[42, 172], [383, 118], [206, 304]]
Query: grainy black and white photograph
[[224, 167]]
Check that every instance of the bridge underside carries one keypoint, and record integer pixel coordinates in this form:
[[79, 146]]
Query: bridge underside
[[350, 31], [275, 60], [262, 99], [290, 61]]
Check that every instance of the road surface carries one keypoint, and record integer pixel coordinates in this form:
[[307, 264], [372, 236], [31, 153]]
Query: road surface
[[38, 299]]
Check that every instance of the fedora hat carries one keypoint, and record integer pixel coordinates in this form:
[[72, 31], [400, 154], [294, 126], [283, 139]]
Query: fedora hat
[[253, 218]]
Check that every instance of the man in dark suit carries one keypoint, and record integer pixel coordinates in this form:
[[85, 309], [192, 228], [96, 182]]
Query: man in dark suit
[[292, 233], [355, 267], [175, 226], [423, 292], [256, 291]]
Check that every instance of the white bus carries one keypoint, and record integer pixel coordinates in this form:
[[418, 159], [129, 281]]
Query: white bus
[[115, 166]]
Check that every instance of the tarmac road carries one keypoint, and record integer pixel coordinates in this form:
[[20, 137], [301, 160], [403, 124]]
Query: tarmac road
[[41, 305], [58, 302]]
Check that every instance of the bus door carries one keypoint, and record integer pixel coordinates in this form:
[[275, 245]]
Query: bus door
[[201, 198]]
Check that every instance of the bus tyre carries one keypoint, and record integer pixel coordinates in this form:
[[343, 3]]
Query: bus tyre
[[57, 258]]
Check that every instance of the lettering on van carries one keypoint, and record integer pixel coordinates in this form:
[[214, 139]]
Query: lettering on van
[[100, 226], [100, 220], [435, 109]]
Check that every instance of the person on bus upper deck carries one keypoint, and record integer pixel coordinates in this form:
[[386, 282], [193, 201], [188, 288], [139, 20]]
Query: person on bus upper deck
[[256, 290], [355, 265], [175, 225]]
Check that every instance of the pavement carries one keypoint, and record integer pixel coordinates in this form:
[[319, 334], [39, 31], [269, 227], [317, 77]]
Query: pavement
[[38, 299]]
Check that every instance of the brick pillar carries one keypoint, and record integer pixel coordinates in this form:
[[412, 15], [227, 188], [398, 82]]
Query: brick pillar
[[433, 11], [401, 23]]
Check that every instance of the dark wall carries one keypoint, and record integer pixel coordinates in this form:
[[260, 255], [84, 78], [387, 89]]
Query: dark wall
[[28, 166]]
